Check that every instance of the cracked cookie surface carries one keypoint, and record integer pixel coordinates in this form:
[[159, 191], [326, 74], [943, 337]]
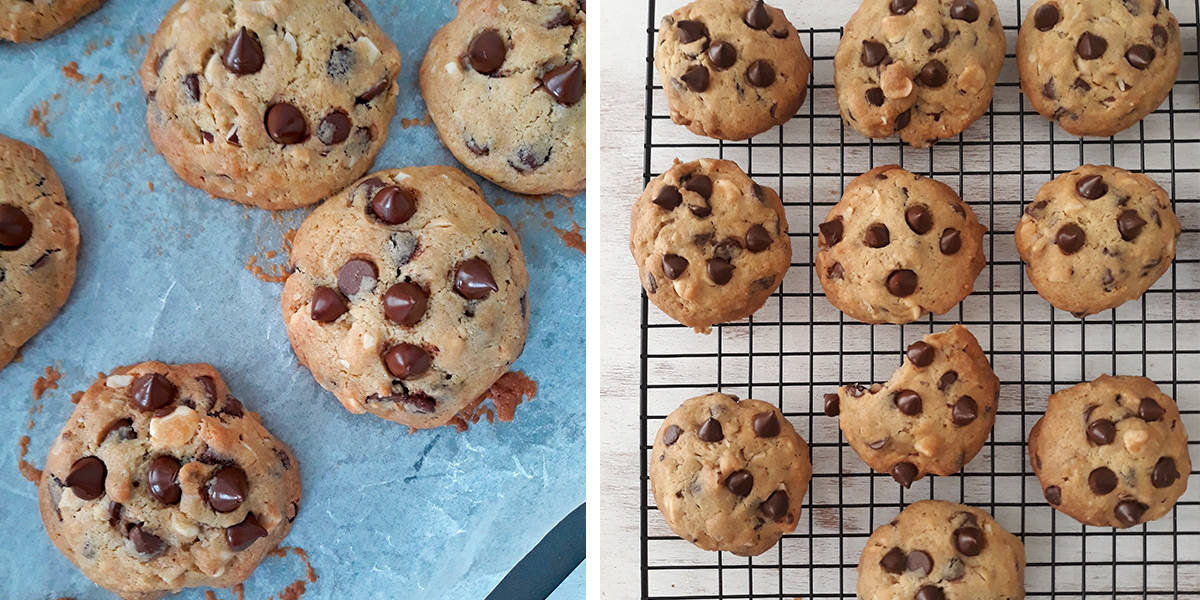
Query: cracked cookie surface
[[923, 69], [162, 480], [30, 20], [710, 244], [1097, 237], [932, 416], [898, 246], [408, 297], [936, 550], [39, 245], [729, 475], [504, 84], [274, 105], [731, 69], [1098, 66], [1111, 452]]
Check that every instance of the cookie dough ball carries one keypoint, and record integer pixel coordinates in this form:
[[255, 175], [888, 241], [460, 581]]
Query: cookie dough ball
[[939, 550], [898, 246], [504, 84], [39, 243], [29, 20], [274, 105], [932, 416], [162, 480], [924, 69], [1112, 452], [711, 245], [1098, 66], [408, 297], [731, 69], [1096, 238], [729, 475]]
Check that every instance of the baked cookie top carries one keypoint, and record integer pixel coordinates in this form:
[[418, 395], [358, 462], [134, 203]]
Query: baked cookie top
[[1111, 452], [29, 20], [275, 105], [731, 69], [162, 480], [922, 68], [939, 550], [1098, 66], [504, 83], [1097, 237], [898, 246], [932, 416], [408, 297], [39, 244], [729, 475], [710, 244]]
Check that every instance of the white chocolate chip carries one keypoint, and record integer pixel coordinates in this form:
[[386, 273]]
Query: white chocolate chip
[[343, 363], [175, 429], [184, 526], [290, 40], [118, 381], [452, 68], [232, 132], [1135, 440], [368, 49], [927, 446], [369, 341], [401, 176]]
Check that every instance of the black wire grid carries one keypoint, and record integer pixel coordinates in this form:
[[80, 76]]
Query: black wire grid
[[799, 347]]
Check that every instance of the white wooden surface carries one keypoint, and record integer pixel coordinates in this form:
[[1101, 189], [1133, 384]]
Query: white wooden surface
[[616, 81]]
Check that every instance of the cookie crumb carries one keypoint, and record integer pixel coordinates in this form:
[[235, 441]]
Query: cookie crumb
[[47, 382], [150, 185], [71, 71], [513, 388], [28, 471], [572, 238], [38, 118], [422, 122], [296, 589]]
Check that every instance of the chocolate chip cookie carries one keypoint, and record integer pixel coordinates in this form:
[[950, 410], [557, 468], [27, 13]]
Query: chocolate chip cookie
[[711, 245], [923, 69], [937, 550], [39, 243], [1097, 237], [729, 475], [408, 297], [268, 104], [932, 416], [504, 84], [29, 20], [898, 246], [731, 69], [1111, 452], [162, 480], [1098, 66]]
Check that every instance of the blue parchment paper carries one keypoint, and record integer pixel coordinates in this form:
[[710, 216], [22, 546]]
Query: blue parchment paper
[[163, 275]]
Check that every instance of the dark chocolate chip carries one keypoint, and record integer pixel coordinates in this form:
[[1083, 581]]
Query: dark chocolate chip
[[244, 534], [710, 431], [919, 561], [875, 96], [163, 479], [122, 427], [15, 227], [671, 435], [1164, 473], [406, 361], [473, 279], [565, 83], [339, 63], [674, 266], [1140, 56], [243, 53], [373, 92], [351, 276], [1091, 46], [904, 473], [760, 73], [900, 7], [1129, 512], [1149, 410], [758, 17], [394, 204], [285, 124], [561, 19], [86, 478], [775, 507], [908, 401], [1091, 187], [740, 483], [879, 444], [933, 74], [930, 592], [668, 198], [969, 541], [151, 392], [903, 119], [1101, 432], [487, 51], [873, 53], [766, 424], [690, 31], [919, 218], [226, 489], [950, 242], [144, 542], [1053, 495], [1070, 238], [757, 239], [877, 236], [833, 405], [1160, 36], [1130, 224], [948, 378], [334, 128], [1102, 481], [893, 561], [722, 55], [835, 271], [831, 231], [327, 305], [920, 354], [405, 303], [696, 78], [720, 271], [191, 84], [964, 10], [965, 411], [700, 184], [902, 283]]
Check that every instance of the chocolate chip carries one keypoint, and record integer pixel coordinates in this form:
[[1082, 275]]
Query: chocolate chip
[[710, 431], [948, 378], [1081, 85], [920, 354], [562, 19], [696, 78], [1091, 46], [671, 435], [700, 184], [473, 279], [969, 541], [163, 479], [226, 489], [722, 55], [950, 242], [879, 444], [487, 51], [740, 483], [86, 478], [930, 592], [244, 534], [1129, 512], [1140, 56], [1149, 410], [394, 205], [668, 198], [405, 303], [835, 271], [144, 542], [766, 424], [232, 407], [964, 10], [1102, 481], [904, 473], [415, 402], [1049, 91], [15, 227], [720, 271], [700, 211], [1053, 495], [775, 507], [674, 266], [334, 128], [875, 96], [327, 305], [873, 53], [1159, 35], [903, 119], [339, 63], [919, 561], [760, 73], [407, 361], [1101, 432], [877, 236], [191, 84], [757, 239], [933, 74], [373, 92], [833, 405], [1130, 224], [1164, 473], [351, 276], [919, 218], [151, 392], [893, 561], [565, 83], [900, 7], [965, 411], [902, 283], [831, 231], [285, 124], [122, 427], [690, 31], [1070, 239], [908, 401], [758, 17], [1091, 187], [243, 53], [528, 160]]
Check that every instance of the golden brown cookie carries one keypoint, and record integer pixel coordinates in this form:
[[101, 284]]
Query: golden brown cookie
[[29, 20]]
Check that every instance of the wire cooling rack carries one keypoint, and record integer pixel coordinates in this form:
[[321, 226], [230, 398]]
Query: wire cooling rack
[[799, 347]]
